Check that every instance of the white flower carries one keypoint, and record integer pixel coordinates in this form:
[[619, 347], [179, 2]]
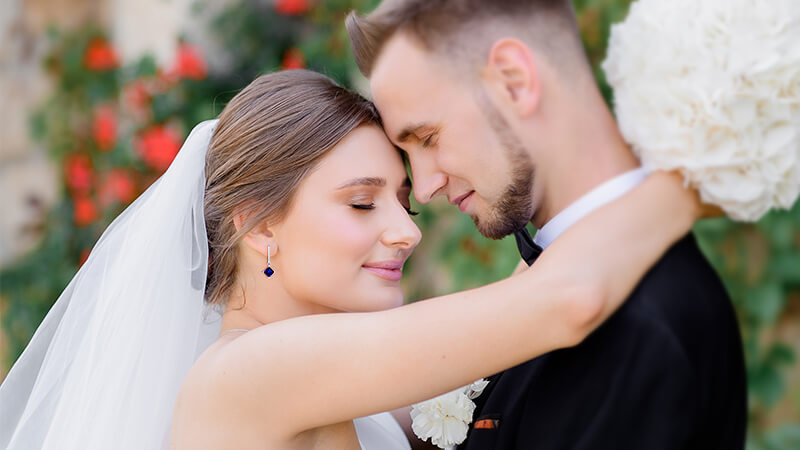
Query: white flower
[[445, 419], [712, 88]]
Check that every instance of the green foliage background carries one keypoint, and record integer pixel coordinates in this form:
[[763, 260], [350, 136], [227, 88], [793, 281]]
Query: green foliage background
[[759, 263]]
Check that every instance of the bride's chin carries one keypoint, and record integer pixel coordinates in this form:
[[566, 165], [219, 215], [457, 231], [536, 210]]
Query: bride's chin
[[399, 301], [387, 300]]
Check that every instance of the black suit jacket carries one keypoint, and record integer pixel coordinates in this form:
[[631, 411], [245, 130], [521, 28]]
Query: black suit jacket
[[665, 371]]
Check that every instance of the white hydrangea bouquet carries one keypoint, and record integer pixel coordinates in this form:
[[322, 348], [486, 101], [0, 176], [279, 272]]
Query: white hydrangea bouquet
[[711, 88]]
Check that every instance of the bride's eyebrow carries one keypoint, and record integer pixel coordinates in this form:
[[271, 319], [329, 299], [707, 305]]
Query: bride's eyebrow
[[364, 181]]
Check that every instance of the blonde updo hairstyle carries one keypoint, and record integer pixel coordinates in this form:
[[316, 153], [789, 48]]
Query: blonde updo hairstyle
[[269, 136]]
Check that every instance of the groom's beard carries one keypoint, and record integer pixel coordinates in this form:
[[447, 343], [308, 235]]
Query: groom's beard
[[514, 209]]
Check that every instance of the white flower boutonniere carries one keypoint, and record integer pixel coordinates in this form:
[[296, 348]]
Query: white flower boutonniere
[[446, 418]]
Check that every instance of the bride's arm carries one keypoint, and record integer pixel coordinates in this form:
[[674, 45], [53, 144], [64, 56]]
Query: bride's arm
[[302, 373], [522, 266]]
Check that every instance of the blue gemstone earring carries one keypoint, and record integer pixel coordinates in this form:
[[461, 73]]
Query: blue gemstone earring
[[268, 271]]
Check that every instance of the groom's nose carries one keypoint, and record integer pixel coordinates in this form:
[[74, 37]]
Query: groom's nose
[[429, 180]]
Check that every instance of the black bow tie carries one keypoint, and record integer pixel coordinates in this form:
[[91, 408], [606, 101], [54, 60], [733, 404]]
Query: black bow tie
[[527, 248]]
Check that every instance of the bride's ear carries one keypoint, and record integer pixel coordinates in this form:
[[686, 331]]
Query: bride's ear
[[259, 238]]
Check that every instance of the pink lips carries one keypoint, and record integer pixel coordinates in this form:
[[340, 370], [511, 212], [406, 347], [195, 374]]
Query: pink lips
[[388, 270]]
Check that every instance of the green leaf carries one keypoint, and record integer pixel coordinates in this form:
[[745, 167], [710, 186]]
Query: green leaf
[[145, 67], [765, 302], [786, 266], [780, 354], [786, 437], [768, 385]]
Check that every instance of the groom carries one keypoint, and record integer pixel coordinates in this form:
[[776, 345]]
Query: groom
[[497, 108]]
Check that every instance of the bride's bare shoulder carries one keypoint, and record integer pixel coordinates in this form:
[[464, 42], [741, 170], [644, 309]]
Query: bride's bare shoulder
[[226, 373], [211, 372], [198, 387], [197, 405], [236, 384], [208, 410]]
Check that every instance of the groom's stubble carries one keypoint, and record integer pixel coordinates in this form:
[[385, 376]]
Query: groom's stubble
[[515, 208]]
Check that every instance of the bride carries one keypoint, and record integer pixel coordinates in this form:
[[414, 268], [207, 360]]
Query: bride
[[284, 214]]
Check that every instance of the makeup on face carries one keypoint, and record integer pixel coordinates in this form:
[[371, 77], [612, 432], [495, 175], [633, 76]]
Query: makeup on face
[[349, 233]]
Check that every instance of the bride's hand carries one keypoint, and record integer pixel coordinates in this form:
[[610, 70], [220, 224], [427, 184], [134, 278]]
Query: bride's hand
[[674, 180]]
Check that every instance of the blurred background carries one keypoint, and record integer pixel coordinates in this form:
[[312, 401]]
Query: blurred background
[[99, 94]]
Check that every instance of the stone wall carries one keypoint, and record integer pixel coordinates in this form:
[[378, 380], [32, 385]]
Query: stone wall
[[27, 179]]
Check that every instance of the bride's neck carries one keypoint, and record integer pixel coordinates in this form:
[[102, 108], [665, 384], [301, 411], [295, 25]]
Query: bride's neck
[[255, 302]]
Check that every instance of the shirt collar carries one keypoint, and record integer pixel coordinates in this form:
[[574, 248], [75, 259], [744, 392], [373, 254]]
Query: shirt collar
[[606, 192]]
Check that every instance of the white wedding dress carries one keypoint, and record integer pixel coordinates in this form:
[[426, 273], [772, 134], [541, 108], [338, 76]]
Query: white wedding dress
[[380, 432]]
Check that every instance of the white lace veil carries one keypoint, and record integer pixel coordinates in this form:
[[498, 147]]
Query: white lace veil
[[104, 367]]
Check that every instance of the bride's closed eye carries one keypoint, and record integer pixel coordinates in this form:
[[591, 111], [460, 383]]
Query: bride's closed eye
[[363, 206], [371, 206]]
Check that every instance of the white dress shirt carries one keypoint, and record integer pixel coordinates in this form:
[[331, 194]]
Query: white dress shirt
[[608, 191]]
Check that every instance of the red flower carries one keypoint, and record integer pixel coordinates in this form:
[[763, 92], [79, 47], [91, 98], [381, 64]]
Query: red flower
[[189, 63], [78, 173], [291, 7], [99, 56], [293, 59], [158, 146], [83, 211], [104, 128], [118, 186]]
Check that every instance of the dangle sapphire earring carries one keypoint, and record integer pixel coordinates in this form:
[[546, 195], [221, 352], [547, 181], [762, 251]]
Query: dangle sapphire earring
[[268, 271]]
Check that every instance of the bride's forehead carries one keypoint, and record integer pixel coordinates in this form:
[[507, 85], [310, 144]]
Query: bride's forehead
[[363, 148]]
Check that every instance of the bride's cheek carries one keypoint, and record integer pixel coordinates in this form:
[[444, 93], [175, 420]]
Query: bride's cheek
[[353, 240]]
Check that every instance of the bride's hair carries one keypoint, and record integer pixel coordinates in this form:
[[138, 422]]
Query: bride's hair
[[269, 136]]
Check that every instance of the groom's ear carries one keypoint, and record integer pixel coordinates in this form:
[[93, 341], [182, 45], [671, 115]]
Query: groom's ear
[[512, 75]]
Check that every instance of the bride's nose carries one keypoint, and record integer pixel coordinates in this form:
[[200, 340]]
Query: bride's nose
[[401, 231]]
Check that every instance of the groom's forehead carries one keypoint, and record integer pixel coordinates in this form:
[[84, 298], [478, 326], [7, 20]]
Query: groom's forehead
[[405, 84], [403, 64]]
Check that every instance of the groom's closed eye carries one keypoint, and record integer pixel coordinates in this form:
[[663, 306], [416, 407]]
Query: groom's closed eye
[[429, 140]]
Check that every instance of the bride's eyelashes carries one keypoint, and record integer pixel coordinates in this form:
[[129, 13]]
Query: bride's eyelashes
[[371, 206], [363, 207]]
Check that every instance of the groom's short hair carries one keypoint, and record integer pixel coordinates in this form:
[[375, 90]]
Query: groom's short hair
[[465, 29]]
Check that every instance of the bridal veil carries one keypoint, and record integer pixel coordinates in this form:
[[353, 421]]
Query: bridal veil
[[103, 369]]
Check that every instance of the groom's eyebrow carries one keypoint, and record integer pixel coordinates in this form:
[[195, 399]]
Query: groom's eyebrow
[[409, 131], [364, 181]]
